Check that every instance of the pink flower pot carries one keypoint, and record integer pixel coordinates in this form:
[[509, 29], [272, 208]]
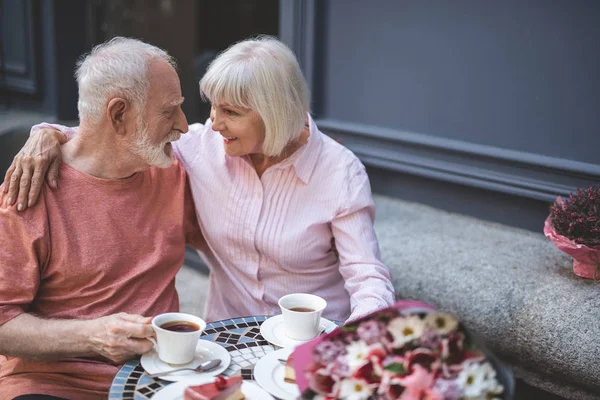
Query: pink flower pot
[[585, 270], [586, 260]]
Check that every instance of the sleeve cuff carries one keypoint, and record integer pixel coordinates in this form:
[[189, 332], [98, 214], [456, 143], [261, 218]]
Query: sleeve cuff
[[366, 307], [9, 312]]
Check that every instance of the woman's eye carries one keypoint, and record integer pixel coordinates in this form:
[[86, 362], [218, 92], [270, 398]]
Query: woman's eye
[[230, 112]]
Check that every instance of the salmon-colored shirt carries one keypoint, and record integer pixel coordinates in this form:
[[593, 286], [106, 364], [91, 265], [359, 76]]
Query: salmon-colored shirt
[[91, 248]]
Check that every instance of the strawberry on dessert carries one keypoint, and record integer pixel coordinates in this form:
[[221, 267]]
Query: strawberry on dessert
[[221, 389]]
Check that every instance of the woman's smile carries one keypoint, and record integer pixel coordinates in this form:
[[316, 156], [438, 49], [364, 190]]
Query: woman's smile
[[229, 139]]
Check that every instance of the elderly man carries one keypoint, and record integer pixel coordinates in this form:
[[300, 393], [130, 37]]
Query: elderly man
[[84, 269]]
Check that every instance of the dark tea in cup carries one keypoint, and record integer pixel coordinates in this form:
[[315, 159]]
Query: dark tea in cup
[[180, 326], [177, 336], [302, 315]]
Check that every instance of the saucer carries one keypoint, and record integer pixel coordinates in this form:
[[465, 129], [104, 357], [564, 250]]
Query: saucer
[[269, 373], [175, 391], [273, 331], [205, 350]]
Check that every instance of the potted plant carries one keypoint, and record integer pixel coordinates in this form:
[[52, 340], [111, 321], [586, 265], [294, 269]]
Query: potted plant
[[574, 227]]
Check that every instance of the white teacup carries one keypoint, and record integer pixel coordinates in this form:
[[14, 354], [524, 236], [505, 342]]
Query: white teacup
[[302, 315], [173, 345]]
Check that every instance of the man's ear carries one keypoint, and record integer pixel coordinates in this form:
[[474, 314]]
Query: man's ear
[[116, 114]]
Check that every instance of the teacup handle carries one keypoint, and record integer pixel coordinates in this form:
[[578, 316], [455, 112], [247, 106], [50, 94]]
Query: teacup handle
[[154, 342]]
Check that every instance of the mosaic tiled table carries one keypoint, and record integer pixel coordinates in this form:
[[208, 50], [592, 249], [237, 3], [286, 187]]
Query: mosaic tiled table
[[239, 336]]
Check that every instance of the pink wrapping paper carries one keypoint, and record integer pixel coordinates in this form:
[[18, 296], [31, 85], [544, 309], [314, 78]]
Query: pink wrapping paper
[[586, 261]]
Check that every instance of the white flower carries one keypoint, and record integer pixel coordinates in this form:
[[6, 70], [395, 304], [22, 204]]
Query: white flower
[[353, 389], [478, 380], [441, 323], [405, 329], [357, 354]]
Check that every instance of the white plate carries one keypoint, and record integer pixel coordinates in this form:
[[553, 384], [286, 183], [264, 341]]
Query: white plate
[[175, 390], [269, 373], [205, 350], [273, 331]]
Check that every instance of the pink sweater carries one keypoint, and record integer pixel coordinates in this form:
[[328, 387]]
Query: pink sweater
[[92, 248]]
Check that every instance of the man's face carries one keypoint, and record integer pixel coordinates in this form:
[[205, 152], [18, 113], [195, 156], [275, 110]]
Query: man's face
[[162, 121]]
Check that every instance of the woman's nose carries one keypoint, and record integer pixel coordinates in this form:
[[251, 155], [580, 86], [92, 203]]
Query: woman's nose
[[217, 121]]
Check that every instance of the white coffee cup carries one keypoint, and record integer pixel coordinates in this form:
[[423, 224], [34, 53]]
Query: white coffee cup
[[302, 315], [175, 347]]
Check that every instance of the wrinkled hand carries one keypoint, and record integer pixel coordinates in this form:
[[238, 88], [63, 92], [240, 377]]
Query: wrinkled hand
[[121, 337], [24, 179]]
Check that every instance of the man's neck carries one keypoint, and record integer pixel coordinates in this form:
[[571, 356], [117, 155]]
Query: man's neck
[[101, 154]]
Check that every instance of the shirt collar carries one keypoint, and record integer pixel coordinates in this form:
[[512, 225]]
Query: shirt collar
[[305, 159]]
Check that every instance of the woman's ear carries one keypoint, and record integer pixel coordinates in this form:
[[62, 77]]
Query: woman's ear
[[116, 112]]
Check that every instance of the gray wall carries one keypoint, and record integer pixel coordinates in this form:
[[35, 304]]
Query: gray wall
[[460, 104]]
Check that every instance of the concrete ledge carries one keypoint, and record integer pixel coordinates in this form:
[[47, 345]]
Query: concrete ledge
[[512, 287]]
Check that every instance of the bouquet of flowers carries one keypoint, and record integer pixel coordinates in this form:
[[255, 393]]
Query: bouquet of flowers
[[574, 227], [401, 352]]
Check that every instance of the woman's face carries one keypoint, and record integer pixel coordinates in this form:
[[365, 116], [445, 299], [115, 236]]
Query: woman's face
[[242, 129]]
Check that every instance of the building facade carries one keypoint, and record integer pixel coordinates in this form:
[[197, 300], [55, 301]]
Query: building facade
[[487, 108]]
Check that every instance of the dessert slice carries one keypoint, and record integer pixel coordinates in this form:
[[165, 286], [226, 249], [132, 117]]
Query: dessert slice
[[221, 389], [290, 373]]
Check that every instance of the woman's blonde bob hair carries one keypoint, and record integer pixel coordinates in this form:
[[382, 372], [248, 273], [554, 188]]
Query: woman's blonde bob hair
[[261, 74]]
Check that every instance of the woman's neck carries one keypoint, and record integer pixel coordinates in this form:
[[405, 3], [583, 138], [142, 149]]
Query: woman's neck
[[262, 162]]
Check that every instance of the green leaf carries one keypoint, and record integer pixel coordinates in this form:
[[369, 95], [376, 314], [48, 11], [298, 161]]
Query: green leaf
[[309, 394], [349, 328], [396, 368]]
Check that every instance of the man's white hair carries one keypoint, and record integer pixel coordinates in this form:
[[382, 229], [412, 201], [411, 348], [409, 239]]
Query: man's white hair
[[116, 68], [261, 74]]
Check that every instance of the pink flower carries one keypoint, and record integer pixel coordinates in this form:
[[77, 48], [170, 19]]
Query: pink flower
[[328, 351], [431, 394], [323, 383], [377, 350], [419, 379], [371, 331], [422, 357], [369, 373], [447, 389], [416, 383], [340, 367], [431, 340]]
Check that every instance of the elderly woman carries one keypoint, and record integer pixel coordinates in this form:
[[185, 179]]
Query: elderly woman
[[283, 207]]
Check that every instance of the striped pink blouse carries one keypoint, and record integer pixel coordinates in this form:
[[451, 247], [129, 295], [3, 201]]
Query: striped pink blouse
[[271, 236]]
